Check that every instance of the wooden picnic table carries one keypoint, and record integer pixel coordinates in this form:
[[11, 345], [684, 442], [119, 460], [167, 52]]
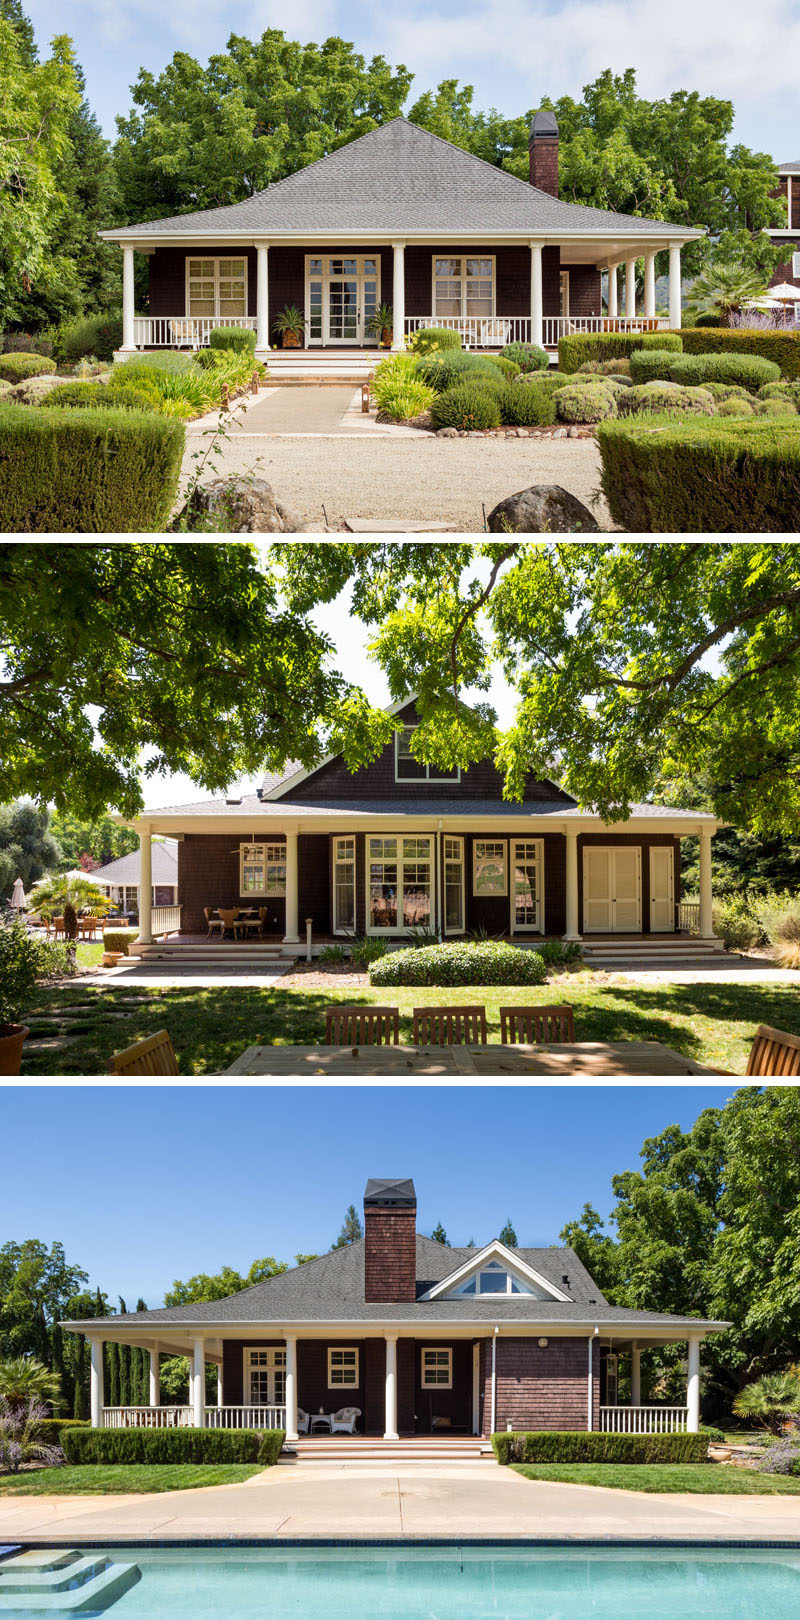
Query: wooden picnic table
[[562, 1058]]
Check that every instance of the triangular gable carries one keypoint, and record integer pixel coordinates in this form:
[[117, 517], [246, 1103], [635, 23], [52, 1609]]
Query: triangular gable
[[508, 1259]]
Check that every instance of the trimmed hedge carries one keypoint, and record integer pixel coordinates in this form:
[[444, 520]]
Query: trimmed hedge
[[565, 1446], [92, 334], [720, 475], [96, 471], [526, 356], [237, 338], [587, 401], [747, 370], [780, 345], [172, 1445], [428, 338], [119, 939], [527, 407], [578, 347], [664, 396], [78, 394], [650, 365], [15, 368], [50, 1430], [489, 961], [170, 360], [443, 371], [467, 407]]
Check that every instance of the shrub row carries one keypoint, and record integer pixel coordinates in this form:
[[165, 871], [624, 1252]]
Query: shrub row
[[565, 1446], [236, 338], [50, 1430], [430, 338], [742, 370], [87, 472], [119, 939], [83, 1445], [720, 476], [578, 347], [99, 335], [779, 345], [14, 368], [488, 961]]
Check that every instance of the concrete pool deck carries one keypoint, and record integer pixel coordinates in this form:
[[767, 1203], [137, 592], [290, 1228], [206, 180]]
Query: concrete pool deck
[[453, 1501]]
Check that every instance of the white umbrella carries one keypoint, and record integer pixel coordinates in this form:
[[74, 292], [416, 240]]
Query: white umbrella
[[785, 293], [18, 896]]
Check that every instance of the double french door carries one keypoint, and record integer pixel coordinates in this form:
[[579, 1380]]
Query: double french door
[[342, 295], [612, 889]]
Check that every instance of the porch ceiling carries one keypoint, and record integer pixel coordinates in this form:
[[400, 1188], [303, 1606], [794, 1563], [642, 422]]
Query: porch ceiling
[[271, 818]]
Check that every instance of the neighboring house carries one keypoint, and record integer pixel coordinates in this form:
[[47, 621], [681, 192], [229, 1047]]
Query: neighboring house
[[402, 217], [397, 845], [120, 878], [787, 238], [421, 1338]]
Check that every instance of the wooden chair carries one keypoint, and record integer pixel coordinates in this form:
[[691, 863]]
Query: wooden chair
[[228, 916], [213, 923], [362, 1026], [245, 926], [531, 1026], [154, 1055], [450, 1026], [774, 1052]]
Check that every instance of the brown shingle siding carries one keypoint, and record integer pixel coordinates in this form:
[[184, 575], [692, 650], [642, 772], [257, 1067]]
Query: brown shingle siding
[[390, 1256]]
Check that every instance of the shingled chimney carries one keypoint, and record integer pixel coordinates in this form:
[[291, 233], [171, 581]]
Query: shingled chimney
[[543, 152], [390, 1242]]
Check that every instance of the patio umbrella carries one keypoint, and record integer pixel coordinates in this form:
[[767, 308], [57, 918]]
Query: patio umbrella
[[18, 901], [785, 293]]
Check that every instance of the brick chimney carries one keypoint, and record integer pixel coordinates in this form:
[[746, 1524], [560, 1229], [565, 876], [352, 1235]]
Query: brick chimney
[[543, 152], [390, 1242]]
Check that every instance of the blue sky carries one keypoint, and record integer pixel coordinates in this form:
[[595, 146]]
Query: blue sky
[[146, 1185], [512, 51]]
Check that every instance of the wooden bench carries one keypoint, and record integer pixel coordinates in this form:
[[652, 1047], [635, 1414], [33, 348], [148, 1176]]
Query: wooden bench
[[154, 1055], [449, 1026], [362, 1026], [529, 1026], [774, 1052]]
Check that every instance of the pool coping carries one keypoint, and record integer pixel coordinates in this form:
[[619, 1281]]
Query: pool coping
[[220, 1543]]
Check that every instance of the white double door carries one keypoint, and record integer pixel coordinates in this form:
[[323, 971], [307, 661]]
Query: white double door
[[612, 889], [342, 295]]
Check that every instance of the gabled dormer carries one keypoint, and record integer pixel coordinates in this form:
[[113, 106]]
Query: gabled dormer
[[495, 1270]]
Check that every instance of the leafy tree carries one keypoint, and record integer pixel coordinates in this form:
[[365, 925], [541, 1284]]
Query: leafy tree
[[28, 847], [303, 1259], [223, 1283], [723, 287], [36, 1285], [449, 113], [508, 1236], [740, 860], [102, 840], [439, 1235], [352, 1228]]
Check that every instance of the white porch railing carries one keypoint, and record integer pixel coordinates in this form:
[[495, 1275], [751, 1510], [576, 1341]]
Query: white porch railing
[[165, 920], [643, 1419], [558, 326], [689, 916], [182, 331], [147, 1417], [245, 1417], [477, 331]]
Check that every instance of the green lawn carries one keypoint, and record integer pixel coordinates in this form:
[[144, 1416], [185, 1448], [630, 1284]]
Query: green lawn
[[100, 1479], [712, 1023], [702, 1479]]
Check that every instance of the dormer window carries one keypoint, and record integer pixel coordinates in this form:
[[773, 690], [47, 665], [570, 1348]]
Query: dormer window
[[492, 1279], [409, 769]]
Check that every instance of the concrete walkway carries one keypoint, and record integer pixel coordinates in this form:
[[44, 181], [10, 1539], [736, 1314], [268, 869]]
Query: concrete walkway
[[296, 410], [466, 1501]]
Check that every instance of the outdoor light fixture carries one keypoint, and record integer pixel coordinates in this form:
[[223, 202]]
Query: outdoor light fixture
[[543, 1343]]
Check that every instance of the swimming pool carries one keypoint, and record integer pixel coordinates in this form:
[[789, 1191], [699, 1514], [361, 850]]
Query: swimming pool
[[417, 1583]]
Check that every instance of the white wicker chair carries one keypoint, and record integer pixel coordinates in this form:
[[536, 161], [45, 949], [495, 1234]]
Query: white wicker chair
[[344, 1421]]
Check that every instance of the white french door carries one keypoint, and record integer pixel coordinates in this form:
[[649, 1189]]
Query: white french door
[[662, 889], [527, 886], [342, 294], [265, 1376], [612, 889]]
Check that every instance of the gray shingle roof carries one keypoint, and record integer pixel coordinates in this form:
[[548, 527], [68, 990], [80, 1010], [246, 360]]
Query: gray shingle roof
[[284, 809], [126, 868], [789, 168], [400, 178]]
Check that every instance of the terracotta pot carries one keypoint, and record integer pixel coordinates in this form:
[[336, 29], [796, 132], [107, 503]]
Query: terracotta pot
[[112, 958], [387, 336], [291, 340], [12, 1040]]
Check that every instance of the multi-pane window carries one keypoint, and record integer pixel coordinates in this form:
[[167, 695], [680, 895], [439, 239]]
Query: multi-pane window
[[344, 885], [343, 1367], [453, 861], [265, 1376], [216, 287], [263, 869], [437, 1368], [489, 866], [493, 1279], [409, 769], [463, 286], [400, 887], [527, 870]]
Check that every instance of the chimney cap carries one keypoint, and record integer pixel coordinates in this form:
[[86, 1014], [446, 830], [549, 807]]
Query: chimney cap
[[390, 1191], [544, 126]]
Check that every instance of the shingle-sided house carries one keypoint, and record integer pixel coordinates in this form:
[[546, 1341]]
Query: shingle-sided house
[[418, 1337], [787, 237], [402, 217], [120, 878], [398, 845]]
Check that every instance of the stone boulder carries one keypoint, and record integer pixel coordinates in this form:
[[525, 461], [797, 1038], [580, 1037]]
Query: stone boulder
[[542, 509], [240, 506]]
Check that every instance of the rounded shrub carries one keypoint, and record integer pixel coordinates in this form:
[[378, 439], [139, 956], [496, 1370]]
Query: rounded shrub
[[774, 407], [781, 390], [99, 335], [16, 368], [32, 390], [490, 961], [651, 365], [734, 406], [527, 407], [443, 371], [708, 320], [174, 361], [78, 394], [585, 402], [659, 396], [430, 339], [237, 338], [605, 368], [507, 367], [526, 356], [132, 396], [719, 390], [749, 370], [468, 406], [549, 380]]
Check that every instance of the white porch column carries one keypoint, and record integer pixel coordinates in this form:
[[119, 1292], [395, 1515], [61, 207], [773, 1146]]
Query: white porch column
[[97, 1398], [537, 322], [693, 1384], [390, 1421], [155, 1375], [675, 287], [572, 885], [262, 299], [612, 292], [650, 286], [291, 1386], [399, 295], [476, 1388], [291, 935], [636, 1375], [220, 1385], [198, 1386], [128, 341], [590, 1385], [630, 287], [493, 1414], [145, 887], [706, 913]]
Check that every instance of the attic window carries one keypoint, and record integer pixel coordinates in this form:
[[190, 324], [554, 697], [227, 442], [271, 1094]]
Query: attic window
[[409, 769], [492, 1279]]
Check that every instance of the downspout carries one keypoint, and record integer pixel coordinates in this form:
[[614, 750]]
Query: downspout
[[590, 1390], [494, 1380], [439, 895]]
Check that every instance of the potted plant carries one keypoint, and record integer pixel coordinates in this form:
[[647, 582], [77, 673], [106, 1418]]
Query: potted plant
[[290, 323], [382, 322], [19, 970]]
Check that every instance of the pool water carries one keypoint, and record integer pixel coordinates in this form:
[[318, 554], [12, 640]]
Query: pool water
[[452, 1583]]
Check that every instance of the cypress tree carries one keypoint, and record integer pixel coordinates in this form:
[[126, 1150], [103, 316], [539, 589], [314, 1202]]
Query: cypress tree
[[79, 1401], [58, 1367], [124, 1353], [113, 1373]]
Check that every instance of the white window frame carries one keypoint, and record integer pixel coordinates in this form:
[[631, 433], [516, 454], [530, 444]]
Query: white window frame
[[275, 1363], [497, 1270], [325, 276], [449, 781], [216, 260], [272, 854], [538, 926], [481, 843], [452, 860], [612, 1378], [492, 257], [435, 1350], [347, 860], [344, 1350], [400, 837]]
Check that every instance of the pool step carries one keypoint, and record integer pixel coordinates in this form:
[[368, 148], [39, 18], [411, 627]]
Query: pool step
[[68, 1582]]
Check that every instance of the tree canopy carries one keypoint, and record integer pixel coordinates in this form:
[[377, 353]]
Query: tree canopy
[[220, 1284], [351, 1230], [100, 840], [28, 847]]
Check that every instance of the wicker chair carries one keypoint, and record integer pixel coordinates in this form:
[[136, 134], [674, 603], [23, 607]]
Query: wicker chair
[[532, 1026]]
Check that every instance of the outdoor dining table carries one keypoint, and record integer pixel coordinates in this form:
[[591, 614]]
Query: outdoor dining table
[[562, 1058]]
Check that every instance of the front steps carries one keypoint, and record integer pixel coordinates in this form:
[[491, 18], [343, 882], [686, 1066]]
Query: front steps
[[63, 1582], [241, 955], [323, 365], [357, 1448], [657, 953]]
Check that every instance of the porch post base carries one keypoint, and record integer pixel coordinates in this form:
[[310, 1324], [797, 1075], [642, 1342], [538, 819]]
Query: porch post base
[[123, 354]]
